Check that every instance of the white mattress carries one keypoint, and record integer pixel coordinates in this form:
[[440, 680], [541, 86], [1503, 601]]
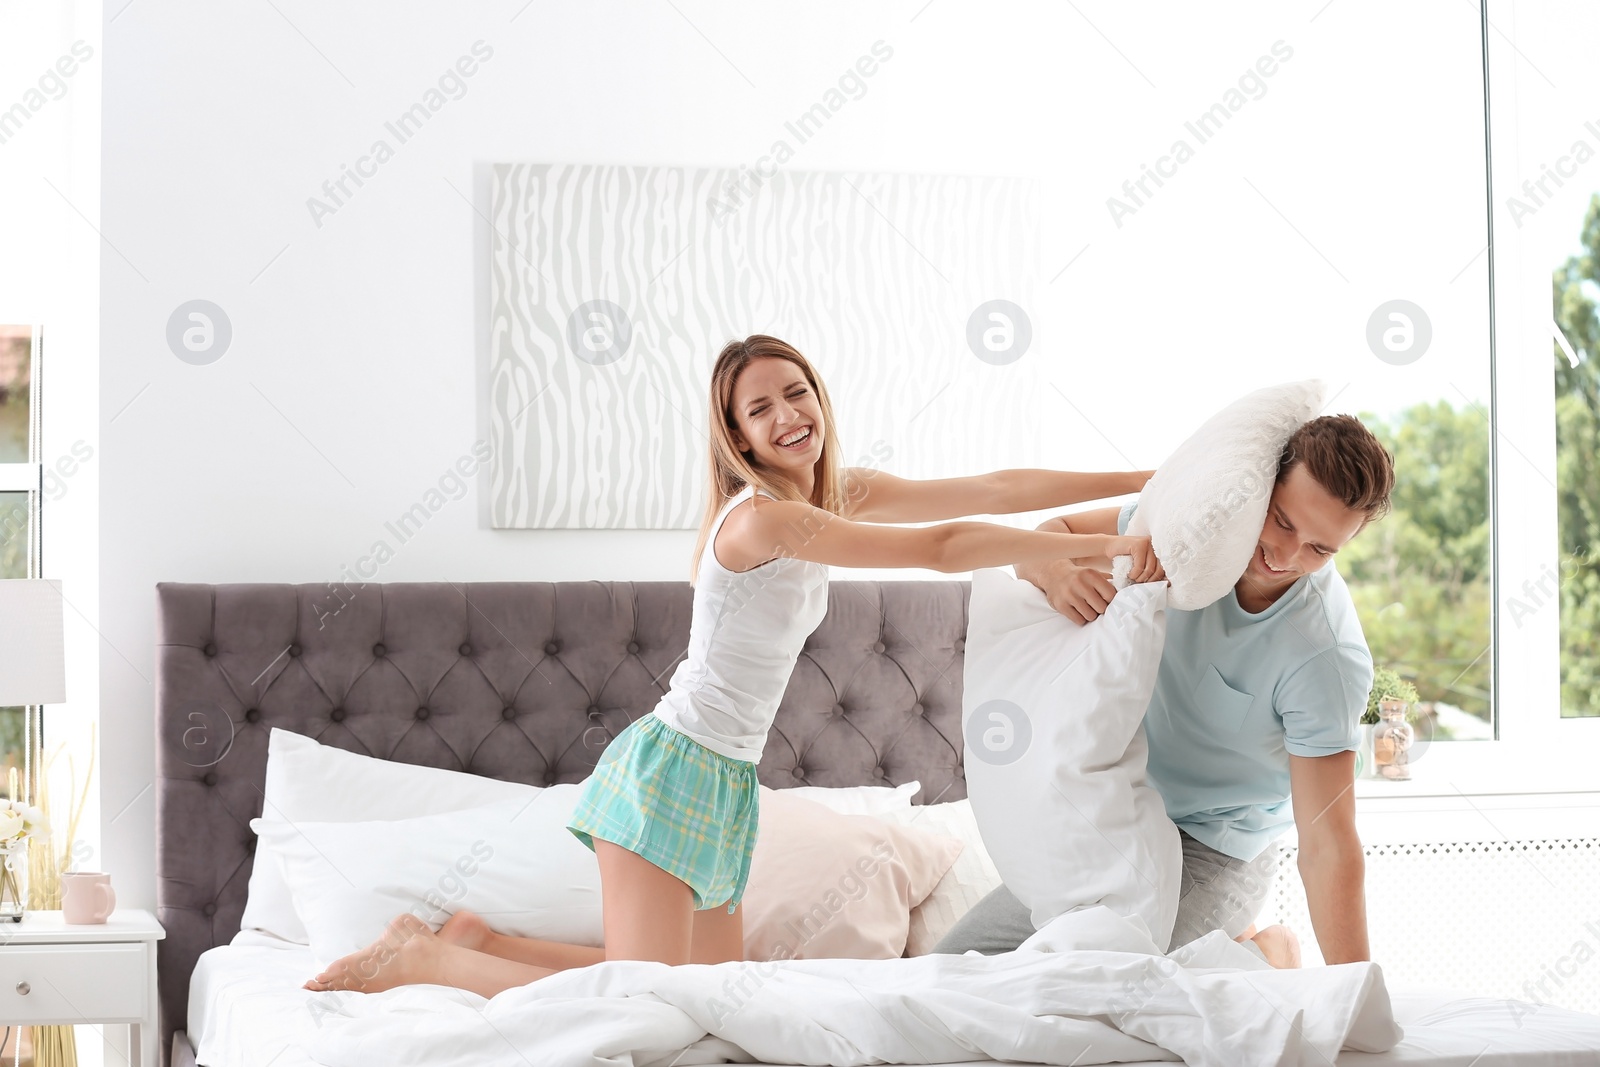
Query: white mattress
[[247, 1009]]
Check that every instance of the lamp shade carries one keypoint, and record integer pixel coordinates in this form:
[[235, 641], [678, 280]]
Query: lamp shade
[[33, 662]]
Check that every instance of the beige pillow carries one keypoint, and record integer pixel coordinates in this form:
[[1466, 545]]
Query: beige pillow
[[826, 885], [971, 878]]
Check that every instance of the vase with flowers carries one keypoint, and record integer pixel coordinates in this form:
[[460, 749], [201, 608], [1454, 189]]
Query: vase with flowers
[[20, 825]]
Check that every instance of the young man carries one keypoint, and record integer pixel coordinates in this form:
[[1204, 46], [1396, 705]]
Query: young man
[[1253, 721]]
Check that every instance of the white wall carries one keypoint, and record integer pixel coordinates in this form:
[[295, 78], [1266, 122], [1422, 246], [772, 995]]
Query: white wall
[[356, 371], [50, 65]]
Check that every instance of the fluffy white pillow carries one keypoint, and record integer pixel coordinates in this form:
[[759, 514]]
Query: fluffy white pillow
[[857, 799], [512, 861], [1204, 507], [1053, 718], [969, 880], [821, 883], [307, 780]]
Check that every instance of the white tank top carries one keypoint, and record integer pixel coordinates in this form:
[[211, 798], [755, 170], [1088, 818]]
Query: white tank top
[[744, 638]]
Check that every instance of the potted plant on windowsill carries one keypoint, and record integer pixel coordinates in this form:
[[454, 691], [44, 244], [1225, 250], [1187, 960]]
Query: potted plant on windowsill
[[1386, 735]]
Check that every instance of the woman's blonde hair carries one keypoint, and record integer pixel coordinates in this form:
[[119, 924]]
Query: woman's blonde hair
[[732, 470]]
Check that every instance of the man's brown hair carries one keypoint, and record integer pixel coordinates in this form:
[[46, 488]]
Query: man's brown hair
[[1346, 459]]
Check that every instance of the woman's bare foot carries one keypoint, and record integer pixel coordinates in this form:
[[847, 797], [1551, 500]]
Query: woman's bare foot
[[1280, 945], [466, 928], [404, 954]]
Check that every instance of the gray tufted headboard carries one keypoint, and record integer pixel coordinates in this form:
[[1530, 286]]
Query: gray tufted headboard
[[505, 679]]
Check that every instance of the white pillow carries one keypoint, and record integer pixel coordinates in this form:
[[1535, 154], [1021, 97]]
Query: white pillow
[[969, 880], [307, 781], [1204, 507], [858, 799], [512, 861], [826, 885], [515, 863], [1052, 715]]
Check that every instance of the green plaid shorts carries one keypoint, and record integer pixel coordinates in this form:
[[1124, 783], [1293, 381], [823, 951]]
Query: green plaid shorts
[[688, 810]]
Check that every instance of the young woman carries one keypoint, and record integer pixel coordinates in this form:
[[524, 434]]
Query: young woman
[[671, 812]]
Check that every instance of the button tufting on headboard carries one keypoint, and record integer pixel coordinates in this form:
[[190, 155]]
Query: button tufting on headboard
[[479, 656]]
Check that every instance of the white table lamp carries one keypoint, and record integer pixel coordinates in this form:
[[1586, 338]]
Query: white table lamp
[[33, 662]]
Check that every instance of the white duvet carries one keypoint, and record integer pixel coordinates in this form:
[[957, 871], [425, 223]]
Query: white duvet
[[1062, 804], [1210, 1003]]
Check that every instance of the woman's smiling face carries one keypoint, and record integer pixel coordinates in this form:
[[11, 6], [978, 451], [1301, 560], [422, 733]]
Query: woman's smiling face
[[772, 401]]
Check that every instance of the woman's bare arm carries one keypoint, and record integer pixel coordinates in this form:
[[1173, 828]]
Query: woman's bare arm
[[878, 496], [801, 531], [1099, 520]]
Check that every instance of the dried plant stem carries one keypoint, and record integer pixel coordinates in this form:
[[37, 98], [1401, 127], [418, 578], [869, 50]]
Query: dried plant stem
[[56, 1046]]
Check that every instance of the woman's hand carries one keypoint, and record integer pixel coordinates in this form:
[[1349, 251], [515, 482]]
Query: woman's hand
[[1080, 593], [1146, 567]]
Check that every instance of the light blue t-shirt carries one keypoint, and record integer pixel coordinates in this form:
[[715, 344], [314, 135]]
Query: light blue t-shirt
[[1238, 693]]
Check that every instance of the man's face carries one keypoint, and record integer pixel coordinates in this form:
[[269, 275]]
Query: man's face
[[1305, 526]]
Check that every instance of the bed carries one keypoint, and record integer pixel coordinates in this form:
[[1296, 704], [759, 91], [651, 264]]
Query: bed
[[506, 679]]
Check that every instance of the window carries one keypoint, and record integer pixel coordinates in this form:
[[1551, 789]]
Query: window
[[1264, 217], [1544, 167], [1577, 381], [1421, 576], [20, 487]]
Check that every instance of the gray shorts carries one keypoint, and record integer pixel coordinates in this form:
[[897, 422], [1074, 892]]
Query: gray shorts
[[1218, 892]]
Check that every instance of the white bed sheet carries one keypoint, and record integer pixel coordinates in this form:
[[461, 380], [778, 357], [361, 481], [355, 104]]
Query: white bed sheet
[[247, 1009]]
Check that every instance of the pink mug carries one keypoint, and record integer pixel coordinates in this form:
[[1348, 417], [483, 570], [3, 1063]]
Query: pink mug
[[87, 897]]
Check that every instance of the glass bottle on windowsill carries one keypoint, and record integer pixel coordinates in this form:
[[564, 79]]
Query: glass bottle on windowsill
[[1392, 739]]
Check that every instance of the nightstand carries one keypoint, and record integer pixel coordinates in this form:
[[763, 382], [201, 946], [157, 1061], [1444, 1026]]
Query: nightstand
[[53, 973]]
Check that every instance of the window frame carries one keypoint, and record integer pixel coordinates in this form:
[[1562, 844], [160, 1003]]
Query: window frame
[[28, 476], [1535, 751]]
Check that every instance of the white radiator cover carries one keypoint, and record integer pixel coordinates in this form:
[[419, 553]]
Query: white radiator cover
[[1510, 918]]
